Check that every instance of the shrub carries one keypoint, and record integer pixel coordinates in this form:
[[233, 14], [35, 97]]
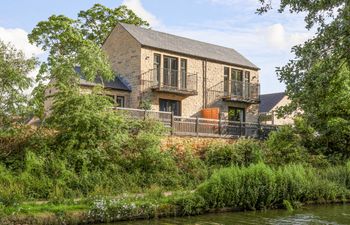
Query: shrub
[[11, 191], [243, 152], [259, 186], [285, 146], [192, 169]]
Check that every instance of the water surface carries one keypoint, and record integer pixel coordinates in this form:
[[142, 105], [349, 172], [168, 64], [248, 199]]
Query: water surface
[[331, 214]]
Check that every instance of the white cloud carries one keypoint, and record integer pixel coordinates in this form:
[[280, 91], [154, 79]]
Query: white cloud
[[18, 38], [138, 8], [278, 38]]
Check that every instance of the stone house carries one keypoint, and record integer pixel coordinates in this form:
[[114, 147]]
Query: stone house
[[181, 75], [269, 103], [117, 89]]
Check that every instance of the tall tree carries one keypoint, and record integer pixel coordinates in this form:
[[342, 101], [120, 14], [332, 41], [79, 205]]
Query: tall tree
[[318, 78], [76, 42], [14, 68], [98, 22]]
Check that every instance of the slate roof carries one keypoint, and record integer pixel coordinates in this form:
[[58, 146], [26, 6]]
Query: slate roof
[[173, 43], [119, 83], [268, 101]]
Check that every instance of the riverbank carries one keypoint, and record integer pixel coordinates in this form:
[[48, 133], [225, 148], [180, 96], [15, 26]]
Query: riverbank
[[254, 187], [73, 215]]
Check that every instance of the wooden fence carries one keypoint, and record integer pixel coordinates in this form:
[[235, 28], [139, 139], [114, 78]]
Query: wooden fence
[[201, 127]]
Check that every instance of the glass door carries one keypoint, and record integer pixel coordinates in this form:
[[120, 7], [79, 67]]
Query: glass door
[[236, 114], [170, 72], [236, 82], [166, 105]]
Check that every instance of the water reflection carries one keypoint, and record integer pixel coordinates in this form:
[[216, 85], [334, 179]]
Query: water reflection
[[334, 214]]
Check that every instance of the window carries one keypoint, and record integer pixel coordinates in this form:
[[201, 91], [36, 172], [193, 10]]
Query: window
[[236, 82], [121, 101], [156, 67], [226, 75], [236, 75], [247, 76], [166, 105], [236, 114], [246, 86], [183, 73], [170, 71]]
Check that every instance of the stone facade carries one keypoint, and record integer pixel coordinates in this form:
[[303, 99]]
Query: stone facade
[[136, 62], [124, 54], [49, 92], [287, 120]]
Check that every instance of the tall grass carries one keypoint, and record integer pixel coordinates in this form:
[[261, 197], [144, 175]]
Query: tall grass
[[260, 186]]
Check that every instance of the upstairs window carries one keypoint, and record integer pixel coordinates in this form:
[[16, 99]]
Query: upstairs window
[[226, 80], [247, 76], [183, 73], [156, 66]]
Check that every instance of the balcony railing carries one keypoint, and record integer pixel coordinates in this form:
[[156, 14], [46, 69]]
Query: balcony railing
[[201, 127], [235, 91], [171, 81]]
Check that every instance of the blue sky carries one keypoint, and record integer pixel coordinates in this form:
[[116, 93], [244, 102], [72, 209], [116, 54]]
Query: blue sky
[[265, 40]]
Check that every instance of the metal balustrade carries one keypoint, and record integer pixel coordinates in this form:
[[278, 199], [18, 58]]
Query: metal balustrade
[[171, 81]]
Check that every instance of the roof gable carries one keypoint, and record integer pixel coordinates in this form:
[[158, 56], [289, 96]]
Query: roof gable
[[173, 43], [269, 101]]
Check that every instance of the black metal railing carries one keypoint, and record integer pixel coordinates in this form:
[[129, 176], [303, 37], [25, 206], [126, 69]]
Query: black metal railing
[[169, 80], [235, 91]]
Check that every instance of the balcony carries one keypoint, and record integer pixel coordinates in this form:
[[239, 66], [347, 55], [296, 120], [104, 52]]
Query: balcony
[[235, 91], [171, 81]]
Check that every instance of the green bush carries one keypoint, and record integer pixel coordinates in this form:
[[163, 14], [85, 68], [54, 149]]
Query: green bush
[[192, 168], [11, 191], [243, 152], [285, 146]]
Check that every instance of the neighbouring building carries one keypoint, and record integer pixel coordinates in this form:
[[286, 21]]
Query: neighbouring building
[[117, 89], [269, 103], [182, 75]]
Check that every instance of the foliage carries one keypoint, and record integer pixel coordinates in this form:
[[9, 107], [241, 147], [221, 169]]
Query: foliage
[[192, 168], [243, 152], [317, 80], [98, 22], [75, 42], [285, 146], [67, 48], [14, 68], [260, 186]]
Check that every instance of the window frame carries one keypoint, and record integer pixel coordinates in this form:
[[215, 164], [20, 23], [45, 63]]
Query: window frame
[[157, 65], [118, 97]]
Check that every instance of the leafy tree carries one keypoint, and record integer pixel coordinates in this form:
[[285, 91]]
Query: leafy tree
[[318, 78], [68, 48], [98, 22], [14, 68], [76, 42]]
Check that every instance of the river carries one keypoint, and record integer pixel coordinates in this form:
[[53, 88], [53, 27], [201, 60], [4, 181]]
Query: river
[[330, 214]]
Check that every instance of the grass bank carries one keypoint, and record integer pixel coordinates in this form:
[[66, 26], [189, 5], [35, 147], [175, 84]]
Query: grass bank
[[253, 187]]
